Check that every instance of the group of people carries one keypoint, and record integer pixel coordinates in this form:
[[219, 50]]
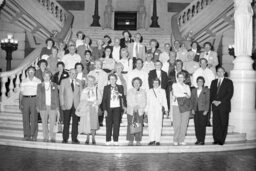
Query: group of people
[[89, 83]]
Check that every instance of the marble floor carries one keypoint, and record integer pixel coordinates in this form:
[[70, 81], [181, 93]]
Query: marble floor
[[16, 159]]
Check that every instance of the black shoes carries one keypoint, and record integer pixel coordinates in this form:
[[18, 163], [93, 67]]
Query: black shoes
[[217, 143], [75, 141], [87, 142], [157, 143], [199, 143], [65, 141], [94, 142], [151, 143]]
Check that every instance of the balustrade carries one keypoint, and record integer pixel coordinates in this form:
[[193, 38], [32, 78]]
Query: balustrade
[[191, 11], [55, 9]]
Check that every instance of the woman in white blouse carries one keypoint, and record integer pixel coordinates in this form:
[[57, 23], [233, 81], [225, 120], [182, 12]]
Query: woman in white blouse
[[156, 103], [88, 110], [180, 119]]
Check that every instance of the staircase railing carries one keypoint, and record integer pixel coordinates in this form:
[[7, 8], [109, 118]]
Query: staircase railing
[[15, 76], [203, 19]]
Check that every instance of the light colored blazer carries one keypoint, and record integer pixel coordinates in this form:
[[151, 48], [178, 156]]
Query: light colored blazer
[[203, 101], [142, 51], [40, 98], [136, 98], [67, 96]]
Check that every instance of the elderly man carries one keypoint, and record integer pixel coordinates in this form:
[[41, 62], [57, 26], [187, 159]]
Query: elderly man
[[138, 72], [71, 58], [137, 50], [28, 94], [70, 91]]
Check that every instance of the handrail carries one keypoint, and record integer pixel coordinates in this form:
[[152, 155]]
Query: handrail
[[191, 11]]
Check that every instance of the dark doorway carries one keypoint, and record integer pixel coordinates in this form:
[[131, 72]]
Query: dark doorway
[[125, 20]]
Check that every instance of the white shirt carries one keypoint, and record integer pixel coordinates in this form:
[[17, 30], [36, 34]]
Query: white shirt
[[179, 90], [164, 57], [29, 87], [158, 73], [220, 80], [198, 91], [47, 87], [206, 73], [114, 100], [134, 49], [79, 42], [127, 63], [137, 73], [116, 53], [70, 60]]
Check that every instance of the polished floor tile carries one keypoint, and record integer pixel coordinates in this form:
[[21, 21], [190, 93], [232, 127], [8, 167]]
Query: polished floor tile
[[16, 159]]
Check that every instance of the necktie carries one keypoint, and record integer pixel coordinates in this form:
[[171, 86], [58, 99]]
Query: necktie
[[218, 85], [72, 85]]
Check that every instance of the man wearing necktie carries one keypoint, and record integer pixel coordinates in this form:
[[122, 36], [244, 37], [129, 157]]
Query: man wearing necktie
[[221, 92], [70, 91]]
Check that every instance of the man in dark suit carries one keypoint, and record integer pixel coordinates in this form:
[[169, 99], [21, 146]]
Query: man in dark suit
[[113, 103], [221, 93], [162, 76]]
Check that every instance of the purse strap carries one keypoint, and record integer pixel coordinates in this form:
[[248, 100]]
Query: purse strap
[[156, 96]]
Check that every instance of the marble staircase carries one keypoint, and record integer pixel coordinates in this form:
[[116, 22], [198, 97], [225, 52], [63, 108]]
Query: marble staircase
[[11, 133]]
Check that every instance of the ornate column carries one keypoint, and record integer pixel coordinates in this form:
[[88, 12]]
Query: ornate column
[[154, 18], [96, 17], [243, 113]]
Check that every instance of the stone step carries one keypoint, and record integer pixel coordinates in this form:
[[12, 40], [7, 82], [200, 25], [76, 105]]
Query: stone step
[[123, 129], [163, 148], [122, 139]]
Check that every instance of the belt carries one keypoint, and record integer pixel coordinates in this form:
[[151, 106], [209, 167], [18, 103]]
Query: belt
[[30, 96], [124, 72]]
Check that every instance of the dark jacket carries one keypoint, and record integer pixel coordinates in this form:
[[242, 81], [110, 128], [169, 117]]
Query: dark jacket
[[164, 79], [40, 98], [107, 97], [202, 103], [224, 95], [56, 79], [123, 44]]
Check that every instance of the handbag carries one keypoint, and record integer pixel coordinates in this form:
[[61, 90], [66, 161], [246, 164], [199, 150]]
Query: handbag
[[184, 104], [135, 127], [163, 109]]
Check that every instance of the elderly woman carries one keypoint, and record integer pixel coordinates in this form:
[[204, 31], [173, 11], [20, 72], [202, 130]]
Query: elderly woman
[[81, 75], [47, 104], [181, 97], [98, 51], [200, 98], [156, 105], [107, 60], [87, 62], [47, 51], [154, 49], [121, 78], [53, 60], [136, 103], [88, 109]]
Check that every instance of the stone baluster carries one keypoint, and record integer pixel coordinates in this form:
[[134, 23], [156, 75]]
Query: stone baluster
[[198, 7], [202, 4], [61, 16], [11, 85], [4, 81], [188, 14], [47, 5], [17, 82], [184, 18], [57, 12], [193, 10]]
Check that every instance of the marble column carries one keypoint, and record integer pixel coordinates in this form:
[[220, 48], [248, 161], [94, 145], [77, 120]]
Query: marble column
[[243, 113], [96, 17], [154, 18]]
